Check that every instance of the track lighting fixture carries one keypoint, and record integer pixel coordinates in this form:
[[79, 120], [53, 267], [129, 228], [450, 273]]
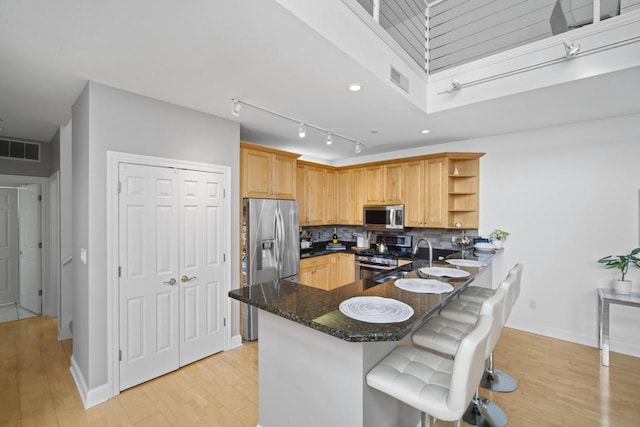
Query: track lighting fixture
[[236, 104], [235, 107], [572, 49], [455, 85]]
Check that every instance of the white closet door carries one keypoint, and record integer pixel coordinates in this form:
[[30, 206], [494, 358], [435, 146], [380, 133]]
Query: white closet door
[[30, 250], [8, 246], [148, 258], [202, 236]]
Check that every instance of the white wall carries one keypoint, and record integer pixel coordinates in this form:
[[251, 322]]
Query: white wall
[[109, 119], [569, 195], [66, 227]]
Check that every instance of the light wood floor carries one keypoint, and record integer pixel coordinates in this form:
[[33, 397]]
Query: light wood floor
[[561, 384]]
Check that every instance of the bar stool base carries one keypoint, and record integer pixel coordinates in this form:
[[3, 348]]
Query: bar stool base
[[484, 413], [498, 381]]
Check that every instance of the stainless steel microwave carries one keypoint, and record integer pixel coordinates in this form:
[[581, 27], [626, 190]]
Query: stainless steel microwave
[[383, 217]]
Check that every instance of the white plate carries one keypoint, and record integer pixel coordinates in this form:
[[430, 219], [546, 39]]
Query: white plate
[[484, 246], [444, 272], [376, 309], [424, 286], [466, 263]]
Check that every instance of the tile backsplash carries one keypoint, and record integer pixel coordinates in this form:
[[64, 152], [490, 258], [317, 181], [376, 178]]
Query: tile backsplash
[[439, 237]]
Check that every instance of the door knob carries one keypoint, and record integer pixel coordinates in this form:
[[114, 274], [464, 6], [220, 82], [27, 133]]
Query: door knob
[[185, 279], [171, 281]]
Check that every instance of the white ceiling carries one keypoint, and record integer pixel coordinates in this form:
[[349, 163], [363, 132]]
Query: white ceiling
[[201, 53]]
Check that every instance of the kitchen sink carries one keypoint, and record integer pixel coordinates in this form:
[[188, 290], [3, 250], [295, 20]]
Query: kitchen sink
[[393, 276]]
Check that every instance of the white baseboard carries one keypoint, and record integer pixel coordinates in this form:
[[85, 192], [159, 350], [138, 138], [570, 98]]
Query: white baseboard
[[89, 397], [236, 341], [64, 332], [562, 334]]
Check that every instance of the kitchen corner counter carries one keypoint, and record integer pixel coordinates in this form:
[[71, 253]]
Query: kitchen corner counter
[[319, 309], [313, 357]]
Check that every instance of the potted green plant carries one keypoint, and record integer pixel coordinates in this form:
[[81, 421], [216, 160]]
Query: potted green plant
[[622, 263], [498, 237]]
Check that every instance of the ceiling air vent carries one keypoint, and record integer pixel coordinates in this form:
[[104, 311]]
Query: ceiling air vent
[[400, 80], [18, 150]]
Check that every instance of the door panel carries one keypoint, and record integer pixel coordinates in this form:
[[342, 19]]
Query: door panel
[[202, 266], [171, 227], [9, 277], [30, 251], [148, 236]]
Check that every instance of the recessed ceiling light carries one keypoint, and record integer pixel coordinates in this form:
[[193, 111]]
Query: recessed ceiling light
[[425, 131], [374, 131], [354, 87]]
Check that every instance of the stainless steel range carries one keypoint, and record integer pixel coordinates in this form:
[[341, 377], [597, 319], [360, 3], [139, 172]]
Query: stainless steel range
[[371, 262]]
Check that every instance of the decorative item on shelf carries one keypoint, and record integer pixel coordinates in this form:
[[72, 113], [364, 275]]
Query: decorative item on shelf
[[622, 262], [498, 237]]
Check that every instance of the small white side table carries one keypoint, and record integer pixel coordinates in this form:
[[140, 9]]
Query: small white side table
[[606, 297]]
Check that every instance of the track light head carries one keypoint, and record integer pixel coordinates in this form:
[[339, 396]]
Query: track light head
[[572, 49], [302, 130], [235, 107], [358, 148], [329, 139]]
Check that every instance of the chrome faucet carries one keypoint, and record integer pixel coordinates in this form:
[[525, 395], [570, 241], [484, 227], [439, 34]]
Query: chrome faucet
[[415, 249]]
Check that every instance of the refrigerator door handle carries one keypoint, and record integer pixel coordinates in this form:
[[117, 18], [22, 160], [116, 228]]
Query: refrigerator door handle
[[279, 240]]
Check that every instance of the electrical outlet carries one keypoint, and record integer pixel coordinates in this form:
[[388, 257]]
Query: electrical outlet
[[532, 304]]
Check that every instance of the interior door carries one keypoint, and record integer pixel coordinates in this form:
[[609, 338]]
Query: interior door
[[30, 248], [8, 246], [149, 272], [171, 239], [202, 235]]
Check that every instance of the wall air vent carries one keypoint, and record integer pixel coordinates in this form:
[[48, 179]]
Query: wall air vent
[[18, 150], [400, 80]]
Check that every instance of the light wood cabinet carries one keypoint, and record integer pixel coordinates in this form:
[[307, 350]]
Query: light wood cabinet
[[328, 271], [316, 272], [435, 175], [267, 173], [330, 197], [351, 195], [346, 269], [425, 204], [384, 184], [344, 210], [358, 195], [311, 194]]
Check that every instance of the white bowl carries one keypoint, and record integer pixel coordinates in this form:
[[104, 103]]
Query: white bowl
[[484, 247]]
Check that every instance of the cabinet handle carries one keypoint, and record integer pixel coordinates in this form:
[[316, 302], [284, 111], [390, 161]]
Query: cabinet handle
[[171, 281], [185, 279]]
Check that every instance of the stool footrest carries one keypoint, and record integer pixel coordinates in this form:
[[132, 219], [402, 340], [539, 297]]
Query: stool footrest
[[498, 381], [484, 413]]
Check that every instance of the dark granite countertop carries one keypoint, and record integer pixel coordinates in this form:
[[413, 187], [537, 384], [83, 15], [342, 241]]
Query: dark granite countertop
[[318, 309]]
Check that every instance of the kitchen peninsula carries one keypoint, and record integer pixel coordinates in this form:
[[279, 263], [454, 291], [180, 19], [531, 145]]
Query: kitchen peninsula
[[313, 359]]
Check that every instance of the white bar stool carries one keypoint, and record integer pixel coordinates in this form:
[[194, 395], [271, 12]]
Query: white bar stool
[[494, 379], [435, 385], [443, 335]]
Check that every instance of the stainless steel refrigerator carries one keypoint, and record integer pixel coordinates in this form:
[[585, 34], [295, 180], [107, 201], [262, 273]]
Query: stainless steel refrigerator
[[271, 248]]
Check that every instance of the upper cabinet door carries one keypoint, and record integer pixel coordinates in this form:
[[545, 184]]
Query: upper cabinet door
[[436, 192], [267, 173], [257, 171], [393, 184], [384, 184], [414, 199], [284, 177]]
